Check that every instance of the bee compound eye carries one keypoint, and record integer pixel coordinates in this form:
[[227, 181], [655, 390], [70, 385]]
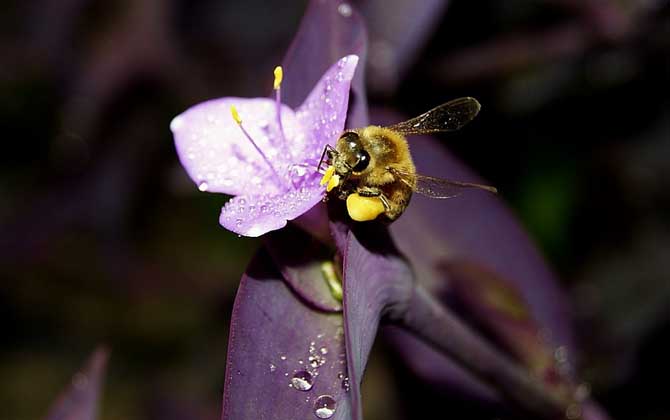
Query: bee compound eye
[[352, 139], [363, 161]]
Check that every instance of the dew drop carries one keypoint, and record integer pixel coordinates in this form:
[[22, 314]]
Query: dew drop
[[272, 367], [323, 350], [345, 384], [345, 10], [80, 380], [302, 380], [176, 123], [324, 407], [203, 186], [561, 354]]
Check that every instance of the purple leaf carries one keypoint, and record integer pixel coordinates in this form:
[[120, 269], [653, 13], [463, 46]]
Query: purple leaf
[[498, 307], [301, 266], [378, 284], [80, 400], [398, 31], [282, 355], [376, 281], [329, 30], [476, 227]]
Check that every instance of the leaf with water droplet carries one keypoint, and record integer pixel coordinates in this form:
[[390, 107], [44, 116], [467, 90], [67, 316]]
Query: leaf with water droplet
[[302, 380], [270, 323], [325, 406]]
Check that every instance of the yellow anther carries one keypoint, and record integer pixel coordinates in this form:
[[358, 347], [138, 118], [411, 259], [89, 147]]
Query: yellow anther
[[363, 209], [326, 177], [333, 182], [279, 76], [236, 116]]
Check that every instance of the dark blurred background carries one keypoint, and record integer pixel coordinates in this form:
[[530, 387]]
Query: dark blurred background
[[104, 239]]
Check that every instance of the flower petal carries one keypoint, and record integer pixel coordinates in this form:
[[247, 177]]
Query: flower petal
[[275, 337], [255, 215], [323, 113], [218, 156]]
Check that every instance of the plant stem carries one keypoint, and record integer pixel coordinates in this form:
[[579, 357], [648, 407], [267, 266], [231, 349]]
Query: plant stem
[[434, 323]]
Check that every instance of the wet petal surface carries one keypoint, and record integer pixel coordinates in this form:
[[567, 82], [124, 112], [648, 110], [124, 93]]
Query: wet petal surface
[[218, 156]]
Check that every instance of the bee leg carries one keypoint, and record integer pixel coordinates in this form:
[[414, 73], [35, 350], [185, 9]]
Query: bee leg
[[369, 192], [374, 192]]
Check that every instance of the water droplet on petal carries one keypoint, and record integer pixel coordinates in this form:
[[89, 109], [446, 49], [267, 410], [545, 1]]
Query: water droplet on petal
[[272, 367], [176, 123], [324, 407], [323, 350], [344, 9], [302, 380], [203, 186]]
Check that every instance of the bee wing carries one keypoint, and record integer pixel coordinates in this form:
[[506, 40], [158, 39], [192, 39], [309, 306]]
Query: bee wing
[[437, 187], [449, 116]]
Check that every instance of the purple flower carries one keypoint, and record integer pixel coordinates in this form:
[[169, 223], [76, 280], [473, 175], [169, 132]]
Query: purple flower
[[266, 153]]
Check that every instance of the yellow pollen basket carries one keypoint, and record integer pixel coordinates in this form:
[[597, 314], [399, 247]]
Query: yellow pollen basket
[[236, 116], [364, 209], [279, 76]]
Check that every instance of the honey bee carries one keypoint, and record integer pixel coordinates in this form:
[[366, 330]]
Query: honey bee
[[372, 168]]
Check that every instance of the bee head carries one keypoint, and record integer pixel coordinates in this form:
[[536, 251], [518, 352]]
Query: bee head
[[350, 157]]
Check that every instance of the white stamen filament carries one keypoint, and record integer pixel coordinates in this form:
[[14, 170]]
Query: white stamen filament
[[238, 120]]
